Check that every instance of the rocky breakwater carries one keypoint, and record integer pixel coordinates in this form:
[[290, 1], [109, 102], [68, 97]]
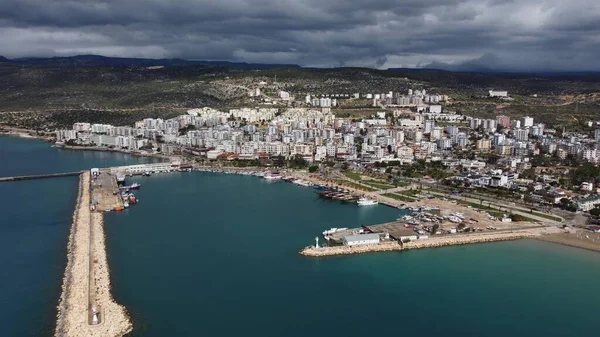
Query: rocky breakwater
[[452, 240], [86, 281]]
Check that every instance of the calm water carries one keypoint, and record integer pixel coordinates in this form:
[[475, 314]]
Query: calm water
[[27, 156], [35, 220], [216, 255]]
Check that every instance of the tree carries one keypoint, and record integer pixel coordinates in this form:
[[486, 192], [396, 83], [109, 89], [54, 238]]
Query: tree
[[345, 166], [313, 169], [595, 212], [298, 162]]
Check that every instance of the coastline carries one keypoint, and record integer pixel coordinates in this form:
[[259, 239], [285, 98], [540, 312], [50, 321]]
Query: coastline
[[579, 239], [102, 149], [86, 280], [22, 133]]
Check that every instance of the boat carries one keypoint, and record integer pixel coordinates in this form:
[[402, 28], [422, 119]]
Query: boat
[[454, 219], [132, 199], [333, 230], [134, 186], [126, 204], [147, 174], [304, 183], [272, 176], [120, 179], [366, 202]]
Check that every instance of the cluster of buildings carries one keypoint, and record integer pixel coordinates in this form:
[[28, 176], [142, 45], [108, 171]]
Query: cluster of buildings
[[399, 134]]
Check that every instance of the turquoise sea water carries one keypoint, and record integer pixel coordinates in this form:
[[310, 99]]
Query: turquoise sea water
[[35, 219], [207, 254], [216, 255]]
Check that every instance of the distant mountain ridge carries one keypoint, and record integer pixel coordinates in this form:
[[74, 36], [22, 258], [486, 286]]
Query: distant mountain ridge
[[104, 61]]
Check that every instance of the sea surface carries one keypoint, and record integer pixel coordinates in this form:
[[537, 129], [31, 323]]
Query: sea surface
[[206, 254], [35, 219]]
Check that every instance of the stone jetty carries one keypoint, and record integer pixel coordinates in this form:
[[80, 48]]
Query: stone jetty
[[86, 281], [447, 240]]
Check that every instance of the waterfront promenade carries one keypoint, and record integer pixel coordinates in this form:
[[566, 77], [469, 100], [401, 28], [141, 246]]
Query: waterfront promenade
[[86, 281]]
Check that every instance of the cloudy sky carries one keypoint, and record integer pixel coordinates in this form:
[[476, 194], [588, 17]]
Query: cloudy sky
[[502, 34]]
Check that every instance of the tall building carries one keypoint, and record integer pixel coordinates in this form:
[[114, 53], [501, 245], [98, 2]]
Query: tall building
[[428, 126], [452, 130], [527, 122], [503, 120], [498, 139], [521, 134]]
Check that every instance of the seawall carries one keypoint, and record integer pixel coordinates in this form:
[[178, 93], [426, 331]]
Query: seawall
[[86, 280], [426, 243]]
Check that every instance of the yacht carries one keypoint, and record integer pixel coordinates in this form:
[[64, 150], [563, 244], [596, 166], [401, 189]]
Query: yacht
[[366, 202], [333, 230]]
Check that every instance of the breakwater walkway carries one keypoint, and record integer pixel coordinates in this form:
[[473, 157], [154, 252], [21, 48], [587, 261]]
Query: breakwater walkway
[[86, 283], [41, 176], [447, 240]]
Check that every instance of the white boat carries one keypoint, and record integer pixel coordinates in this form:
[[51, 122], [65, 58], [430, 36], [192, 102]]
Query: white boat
[[126, 204], [454, 219], [458, 215], [300, 182], [333, 230], [366, 202], [272, 176]]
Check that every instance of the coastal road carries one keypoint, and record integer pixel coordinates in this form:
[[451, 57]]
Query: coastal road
[[397, 189]]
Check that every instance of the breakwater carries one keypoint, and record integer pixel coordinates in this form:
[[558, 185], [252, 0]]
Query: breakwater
[[86, 283], [390, 246], [41, 176]]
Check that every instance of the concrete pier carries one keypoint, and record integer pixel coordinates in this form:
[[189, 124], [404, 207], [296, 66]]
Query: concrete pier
[[41, 176], [446, 240], [86, 284]]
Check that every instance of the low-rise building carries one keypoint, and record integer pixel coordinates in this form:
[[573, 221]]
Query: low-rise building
[[361, 239]]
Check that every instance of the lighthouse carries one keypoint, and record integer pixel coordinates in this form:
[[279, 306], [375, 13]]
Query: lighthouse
[[316, 242]]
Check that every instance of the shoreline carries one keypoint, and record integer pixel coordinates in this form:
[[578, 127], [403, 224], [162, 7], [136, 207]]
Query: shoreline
[[102, 149], [87, 277], [23, 133]]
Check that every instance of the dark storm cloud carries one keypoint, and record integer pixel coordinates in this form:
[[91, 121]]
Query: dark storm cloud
[[524, 34]]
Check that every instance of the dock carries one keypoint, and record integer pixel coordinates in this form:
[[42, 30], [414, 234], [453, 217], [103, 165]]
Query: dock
[[41, 176], [433, 242]]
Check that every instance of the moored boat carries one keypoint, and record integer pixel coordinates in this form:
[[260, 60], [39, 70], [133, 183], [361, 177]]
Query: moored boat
[[366, 202]]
